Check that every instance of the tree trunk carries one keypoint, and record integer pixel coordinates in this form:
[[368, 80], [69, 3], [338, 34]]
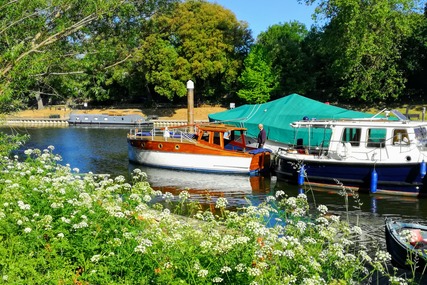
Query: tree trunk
[[40, 105]]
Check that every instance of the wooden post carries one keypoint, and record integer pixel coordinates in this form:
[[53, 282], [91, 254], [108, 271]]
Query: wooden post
[[190, 104]]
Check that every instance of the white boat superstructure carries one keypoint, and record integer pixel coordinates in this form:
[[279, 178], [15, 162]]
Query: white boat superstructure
[[382, 155]]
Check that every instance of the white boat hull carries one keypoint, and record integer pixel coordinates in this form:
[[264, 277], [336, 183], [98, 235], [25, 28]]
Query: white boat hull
[[190, 161]]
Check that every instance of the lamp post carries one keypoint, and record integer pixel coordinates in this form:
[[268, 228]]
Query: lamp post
[[190, 104]]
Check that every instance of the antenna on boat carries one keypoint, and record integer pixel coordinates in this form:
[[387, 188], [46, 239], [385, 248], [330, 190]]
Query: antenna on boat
[[230, 120], [395, 112], [383, 110]]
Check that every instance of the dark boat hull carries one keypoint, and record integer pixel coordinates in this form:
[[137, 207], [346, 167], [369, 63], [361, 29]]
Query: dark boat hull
[[395, 179], [401, 250]]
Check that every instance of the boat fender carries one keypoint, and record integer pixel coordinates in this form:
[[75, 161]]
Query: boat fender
[[423, 169], [301, 175], [344, 149], [374, 181]]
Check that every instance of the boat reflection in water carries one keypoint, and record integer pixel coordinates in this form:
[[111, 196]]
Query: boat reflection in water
[[358, 203], [206, 188]]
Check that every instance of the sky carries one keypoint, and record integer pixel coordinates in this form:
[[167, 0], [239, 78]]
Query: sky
[[260, 14]]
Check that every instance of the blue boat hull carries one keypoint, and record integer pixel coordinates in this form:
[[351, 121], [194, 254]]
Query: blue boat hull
[[395, 179]]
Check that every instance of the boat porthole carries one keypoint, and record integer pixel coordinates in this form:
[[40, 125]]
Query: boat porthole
[[176, 147], [160, 145], [408, 158]]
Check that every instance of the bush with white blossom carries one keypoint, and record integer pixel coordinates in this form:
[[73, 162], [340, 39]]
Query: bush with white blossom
[[58, 226]]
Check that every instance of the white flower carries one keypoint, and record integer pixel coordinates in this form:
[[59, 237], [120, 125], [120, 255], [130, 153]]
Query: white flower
[[254, 271], [217, 280], [269, 199], [240, 267], [27, 230], [23, 206], [120, 179], [202, 273], [302, 196], [168, 196], [95, 258], [60, 235], [147, 198], [322, 209], [225, 269], [397, 280], [382, 256], [221, 203], [80, 225], [184, 195], [140, 248], [65, 220], [357, 230]]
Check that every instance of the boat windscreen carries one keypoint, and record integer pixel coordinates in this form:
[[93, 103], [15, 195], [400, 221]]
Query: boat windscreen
[[421, 137]]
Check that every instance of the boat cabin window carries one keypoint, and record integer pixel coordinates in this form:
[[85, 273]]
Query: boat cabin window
[[400, 137], [351, 135], [421, 136], [376, 137]]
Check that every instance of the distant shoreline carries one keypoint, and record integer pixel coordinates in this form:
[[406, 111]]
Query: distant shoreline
[[200, 113]]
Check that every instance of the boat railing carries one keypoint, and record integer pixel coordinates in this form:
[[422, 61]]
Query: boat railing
[[183, 134], [340, 149]]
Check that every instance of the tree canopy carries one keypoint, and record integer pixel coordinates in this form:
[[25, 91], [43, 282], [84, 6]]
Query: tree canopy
[[198, 40], [65, 46], [363, 43], [123, 51]]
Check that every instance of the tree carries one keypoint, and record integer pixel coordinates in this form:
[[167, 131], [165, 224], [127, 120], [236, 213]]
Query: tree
[[257, 79], [283, 45], [364, 41], [277, 64], [414, 60], [199, 41], [48, 47]]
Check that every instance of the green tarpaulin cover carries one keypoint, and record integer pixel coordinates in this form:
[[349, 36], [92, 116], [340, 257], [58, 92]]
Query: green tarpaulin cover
[[277, 115]]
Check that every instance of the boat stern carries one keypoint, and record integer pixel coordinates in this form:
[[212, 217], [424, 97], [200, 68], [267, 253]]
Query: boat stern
[[261, 161]]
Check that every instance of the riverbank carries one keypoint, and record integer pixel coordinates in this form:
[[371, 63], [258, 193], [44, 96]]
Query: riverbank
[[61, 112]]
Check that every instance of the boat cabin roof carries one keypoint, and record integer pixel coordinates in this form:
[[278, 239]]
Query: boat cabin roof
[[211, 127], [373, 123]]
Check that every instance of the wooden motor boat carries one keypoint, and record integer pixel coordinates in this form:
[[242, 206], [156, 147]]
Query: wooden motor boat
[[373, 155], [406, 242], [205, 147]]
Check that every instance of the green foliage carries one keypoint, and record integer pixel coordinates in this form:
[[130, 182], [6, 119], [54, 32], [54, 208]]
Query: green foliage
[[257, 79], [9, 143], [277, 64], [198, 40], [364, 42], [67, 48]]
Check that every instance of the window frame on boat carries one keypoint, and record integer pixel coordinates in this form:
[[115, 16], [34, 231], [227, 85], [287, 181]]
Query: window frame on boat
[[376, 137]]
